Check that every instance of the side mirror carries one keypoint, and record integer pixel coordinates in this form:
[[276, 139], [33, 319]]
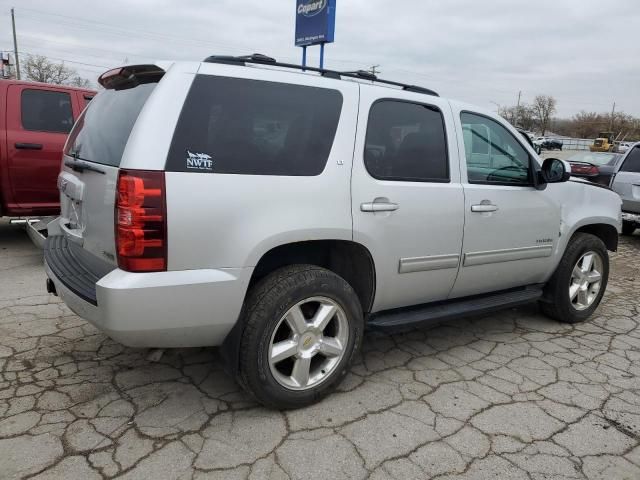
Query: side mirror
[[555, 170]]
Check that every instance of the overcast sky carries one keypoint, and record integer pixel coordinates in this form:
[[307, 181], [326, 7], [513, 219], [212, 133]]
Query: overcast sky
[[583, 52]]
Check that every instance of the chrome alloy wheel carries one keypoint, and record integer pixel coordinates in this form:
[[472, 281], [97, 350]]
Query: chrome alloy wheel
[[586, 279], [308, 343]]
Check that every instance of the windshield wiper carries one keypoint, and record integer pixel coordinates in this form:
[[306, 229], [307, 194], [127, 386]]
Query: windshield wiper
[[78, 166]]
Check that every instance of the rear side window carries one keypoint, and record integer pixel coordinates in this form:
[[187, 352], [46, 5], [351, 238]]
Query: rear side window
[[406, 142], [251, 127], [103, 129], [632, 162], [46, 111]]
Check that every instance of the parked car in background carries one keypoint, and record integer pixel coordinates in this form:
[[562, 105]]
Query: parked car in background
[[35, 119], [537, 144], [626, 183], [552, 144], [197, 221], [622, 147], [528, 139], [594, 166]]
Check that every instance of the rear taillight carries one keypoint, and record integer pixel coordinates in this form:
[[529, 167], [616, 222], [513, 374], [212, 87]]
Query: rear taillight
[[141, 221], [590, 170]]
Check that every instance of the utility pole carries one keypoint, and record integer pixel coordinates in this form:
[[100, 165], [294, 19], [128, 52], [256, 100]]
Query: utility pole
[[374, 70], [15, 45], [518, 107], [613, 111]]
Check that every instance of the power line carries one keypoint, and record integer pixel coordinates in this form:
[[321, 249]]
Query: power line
[[69, 61], [91, 25]]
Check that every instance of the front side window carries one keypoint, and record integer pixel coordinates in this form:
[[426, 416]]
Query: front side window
[[632, 162], [406, 142], [46, 111], [252, 127], [493, 154]]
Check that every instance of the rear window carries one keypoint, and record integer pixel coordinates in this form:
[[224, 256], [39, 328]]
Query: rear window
[[46, 111], [251, 127], [102, 131]]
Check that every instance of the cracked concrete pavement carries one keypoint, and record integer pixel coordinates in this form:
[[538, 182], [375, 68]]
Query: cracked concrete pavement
[[509, 395]]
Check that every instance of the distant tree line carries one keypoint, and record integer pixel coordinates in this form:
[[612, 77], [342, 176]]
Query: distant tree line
[[534, 116], [590, 124], [39, 68], [538, 116]]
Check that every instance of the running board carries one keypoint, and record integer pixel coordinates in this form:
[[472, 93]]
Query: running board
[[422, 315]]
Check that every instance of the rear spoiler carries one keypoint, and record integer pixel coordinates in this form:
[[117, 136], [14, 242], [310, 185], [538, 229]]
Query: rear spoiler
[[130, 76]]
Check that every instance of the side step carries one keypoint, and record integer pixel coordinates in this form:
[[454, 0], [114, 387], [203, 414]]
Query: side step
[[422, 315]]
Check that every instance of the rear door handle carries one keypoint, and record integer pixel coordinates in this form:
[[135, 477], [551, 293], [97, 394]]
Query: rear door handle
[[29, 146], [379, 207], [484, 207]]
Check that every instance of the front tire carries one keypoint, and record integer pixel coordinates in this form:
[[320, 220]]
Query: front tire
[[576, 288], [303, 325], [628, 227]]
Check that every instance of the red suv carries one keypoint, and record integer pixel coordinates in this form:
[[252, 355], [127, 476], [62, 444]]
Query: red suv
[[35, 119]]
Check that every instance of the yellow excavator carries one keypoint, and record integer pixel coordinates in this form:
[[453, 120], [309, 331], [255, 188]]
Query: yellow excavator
[[604, 142]]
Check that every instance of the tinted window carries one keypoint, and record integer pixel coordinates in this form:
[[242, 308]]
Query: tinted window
[[46, 111], [632, 162], [493, 154], [406, 141], [251, 127], [103, 129]]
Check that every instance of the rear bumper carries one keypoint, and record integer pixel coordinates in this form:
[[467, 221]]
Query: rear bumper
[[162, 309]]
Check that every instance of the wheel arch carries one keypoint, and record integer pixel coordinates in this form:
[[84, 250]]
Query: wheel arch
[[350, 260], [604, 231]]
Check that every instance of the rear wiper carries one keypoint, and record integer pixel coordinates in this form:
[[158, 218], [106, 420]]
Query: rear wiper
[[77, 166]]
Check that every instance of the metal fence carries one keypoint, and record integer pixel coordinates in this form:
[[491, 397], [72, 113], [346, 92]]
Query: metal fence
[[575, 143]]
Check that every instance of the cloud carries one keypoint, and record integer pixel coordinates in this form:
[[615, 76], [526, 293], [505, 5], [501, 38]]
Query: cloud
[[584, 52]]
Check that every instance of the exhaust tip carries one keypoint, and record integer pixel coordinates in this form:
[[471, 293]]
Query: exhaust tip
[[51, 287]]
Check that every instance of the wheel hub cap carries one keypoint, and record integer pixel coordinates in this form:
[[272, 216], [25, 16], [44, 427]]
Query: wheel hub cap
[[586, 280], [308, 343]]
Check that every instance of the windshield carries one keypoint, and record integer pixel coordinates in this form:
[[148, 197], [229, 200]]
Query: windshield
[[594, 158], [102, 131]]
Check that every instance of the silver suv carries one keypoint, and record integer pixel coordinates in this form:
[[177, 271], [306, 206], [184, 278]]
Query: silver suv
[[626, 183], [244, 203]]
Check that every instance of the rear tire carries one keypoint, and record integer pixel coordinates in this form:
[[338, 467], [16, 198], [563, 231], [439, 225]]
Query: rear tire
[[576, 288], [303, 325], [628, 228]]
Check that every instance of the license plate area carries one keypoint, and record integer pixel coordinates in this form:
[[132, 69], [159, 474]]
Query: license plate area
[[72, 193]]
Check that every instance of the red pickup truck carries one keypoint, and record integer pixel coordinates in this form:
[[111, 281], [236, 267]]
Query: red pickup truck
[[35, 119]]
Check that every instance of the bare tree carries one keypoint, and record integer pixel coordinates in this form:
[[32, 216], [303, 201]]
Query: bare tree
[[590, 124], [544, 106], [39, 68], [79, 81], [518, 116]]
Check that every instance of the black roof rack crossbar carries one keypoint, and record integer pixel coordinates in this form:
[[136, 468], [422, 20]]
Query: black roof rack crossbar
[[258, 58]]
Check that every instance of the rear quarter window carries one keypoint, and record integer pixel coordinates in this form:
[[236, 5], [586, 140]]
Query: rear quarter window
[[252, 127]]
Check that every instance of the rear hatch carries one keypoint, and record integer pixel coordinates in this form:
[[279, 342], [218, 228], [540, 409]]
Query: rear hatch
[[91, 162]]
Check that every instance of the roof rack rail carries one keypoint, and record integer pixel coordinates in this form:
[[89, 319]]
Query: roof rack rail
[[258, 58]]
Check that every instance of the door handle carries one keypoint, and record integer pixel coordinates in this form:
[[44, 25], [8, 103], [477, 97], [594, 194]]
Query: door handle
[[484, 207], [29, 146], [379, 207]]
